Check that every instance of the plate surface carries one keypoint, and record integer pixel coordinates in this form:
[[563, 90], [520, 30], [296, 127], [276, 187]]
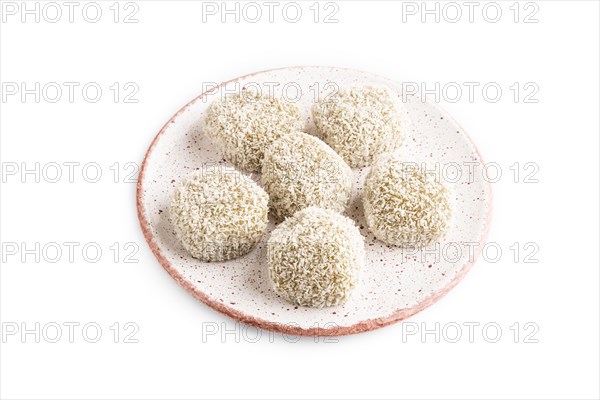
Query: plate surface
[[395, 283]]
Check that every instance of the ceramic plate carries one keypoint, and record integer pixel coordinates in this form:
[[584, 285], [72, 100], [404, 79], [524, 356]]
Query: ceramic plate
[[395, 283]]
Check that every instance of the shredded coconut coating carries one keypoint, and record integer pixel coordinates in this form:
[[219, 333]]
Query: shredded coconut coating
[[360, 123], [314, 258], [405, 205], [245, 124], [219, 216], [300, 170]]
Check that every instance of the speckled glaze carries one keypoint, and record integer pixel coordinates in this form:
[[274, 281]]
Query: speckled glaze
[[395, 283]]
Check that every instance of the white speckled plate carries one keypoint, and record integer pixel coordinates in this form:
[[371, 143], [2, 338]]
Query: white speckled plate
[[395, 283]]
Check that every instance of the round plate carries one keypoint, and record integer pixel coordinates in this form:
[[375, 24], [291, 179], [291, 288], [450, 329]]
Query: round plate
[[395, 283]]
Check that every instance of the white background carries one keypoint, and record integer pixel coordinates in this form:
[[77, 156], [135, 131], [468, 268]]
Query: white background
[[169, 54]]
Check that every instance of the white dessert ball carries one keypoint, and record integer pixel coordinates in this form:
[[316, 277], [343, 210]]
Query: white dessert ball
[[360, 123], [220, 215], [300, 170], [314, 258], [245, 124], [405, 204]]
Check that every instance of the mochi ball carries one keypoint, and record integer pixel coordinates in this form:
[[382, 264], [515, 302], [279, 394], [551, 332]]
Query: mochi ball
[[245, 124], [360, 123], [405, 204], [314, 258], [300, 170], [219, 215]]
